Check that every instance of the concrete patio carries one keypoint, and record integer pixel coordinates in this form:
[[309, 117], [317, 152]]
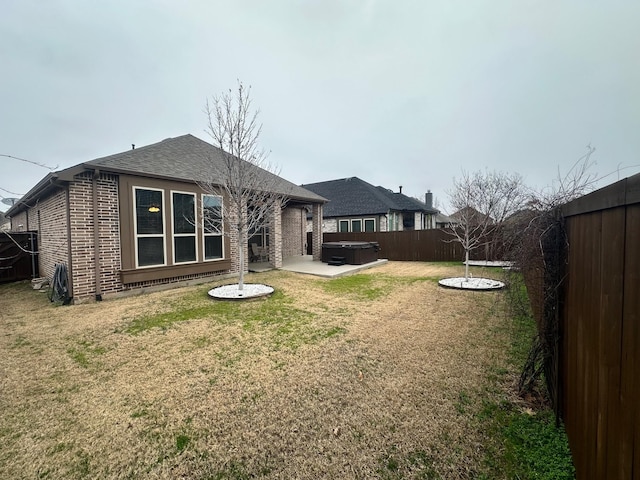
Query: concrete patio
[[305, 264]]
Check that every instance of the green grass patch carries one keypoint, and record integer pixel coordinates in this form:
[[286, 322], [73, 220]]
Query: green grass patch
[[182, 441], [520, 444], [84, 352], [527, 446], [275, 316], [364, 287], [416, 464], [368, 287]]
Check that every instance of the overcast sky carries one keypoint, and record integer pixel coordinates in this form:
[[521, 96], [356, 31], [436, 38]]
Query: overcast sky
[[396, 93]]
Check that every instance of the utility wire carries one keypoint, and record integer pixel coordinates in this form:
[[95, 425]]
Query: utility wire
[[32, 252], [29, 161]]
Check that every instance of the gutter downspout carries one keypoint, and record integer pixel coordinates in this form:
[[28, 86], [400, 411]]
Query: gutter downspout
[[96, 235], [69, 252]]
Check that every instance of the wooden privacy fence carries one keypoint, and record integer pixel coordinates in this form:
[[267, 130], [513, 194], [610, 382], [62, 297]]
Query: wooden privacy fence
[[597, 347], [16, 263], [600, 358], [408, 245]]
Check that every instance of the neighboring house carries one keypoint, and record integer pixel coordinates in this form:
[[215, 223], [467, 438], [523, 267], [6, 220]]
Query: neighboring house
[[5, 223], [128, 210], [471, 216], [445, 221], [357, 206]]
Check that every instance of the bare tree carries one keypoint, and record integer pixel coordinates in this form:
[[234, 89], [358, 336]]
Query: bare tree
[[540, 253], [244, 178], [481, 201]]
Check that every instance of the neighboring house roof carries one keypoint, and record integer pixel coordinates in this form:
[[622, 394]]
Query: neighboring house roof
[[355, 197], [185, 158], [442, 219], [407, 204], [470, 214]]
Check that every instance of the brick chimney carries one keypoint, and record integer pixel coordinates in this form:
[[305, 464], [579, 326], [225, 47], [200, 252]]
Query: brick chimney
[[428, 199]]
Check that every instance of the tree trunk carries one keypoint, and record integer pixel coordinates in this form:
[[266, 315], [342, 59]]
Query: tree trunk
[[466, 265], [242, 242]]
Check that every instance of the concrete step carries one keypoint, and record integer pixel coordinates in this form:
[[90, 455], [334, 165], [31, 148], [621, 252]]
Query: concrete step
[[337, 261]]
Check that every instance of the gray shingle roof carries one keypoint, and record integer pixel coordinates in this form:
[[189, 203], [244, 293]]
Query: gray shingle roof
[[355, 197], [406, 203], [186, 158]]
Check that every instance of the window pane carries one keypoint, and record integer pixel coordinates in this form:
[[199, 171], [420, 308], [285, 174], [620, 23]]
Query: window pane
[[149, 222], [212, 212], [185, 249], [212, 247], [150, 251], [183, 213], [257, 239], [369, 226], [356, 226], [344, 226]]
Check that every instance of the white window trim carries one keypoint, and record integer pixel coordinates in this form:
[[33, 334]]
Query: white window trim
[[149, 235], [175, 235], [365, 220], [356, 220], [205, 235]]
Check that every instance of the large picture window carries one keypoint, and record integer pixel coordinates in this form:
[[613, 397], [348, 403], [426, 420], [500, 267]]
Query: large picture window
[[212, 227], [149, 227], [183, 207]]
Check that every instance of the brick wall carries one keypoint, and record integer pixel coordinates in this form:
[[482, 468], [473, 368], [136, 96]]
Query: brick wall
[[81, 231], [275, 236], [294, 234], [81, 222], [232, 233], [19, 223], [316, 236], [49, 219], [109, 233]]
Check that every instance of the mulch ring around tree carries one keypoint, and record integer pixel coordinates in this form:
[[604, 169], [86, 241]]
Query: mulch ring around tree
[[233, 292], [471, 283]]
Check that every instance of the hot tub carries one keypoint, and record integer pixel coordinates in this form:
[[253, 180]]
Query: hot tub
[[353, 253]]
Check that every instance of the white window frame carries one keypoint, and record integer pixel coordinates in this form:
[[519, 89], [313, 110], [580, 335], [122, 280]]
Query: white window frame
[[364, 224], [205, 234], [340, 225], [149, 235], [175, 235], [353, 220]]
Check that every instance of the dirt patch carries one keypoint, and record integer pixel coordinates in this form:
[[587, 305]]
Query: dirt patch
[[368, 383]]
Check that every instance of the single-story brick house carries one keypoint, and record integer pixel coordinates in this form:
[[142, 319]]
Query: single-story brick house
[[357, 206], [125, 211]]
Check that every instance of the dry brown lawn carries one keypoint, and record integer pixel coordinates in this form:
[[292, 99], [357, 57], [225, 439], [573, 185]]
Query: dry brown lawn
[[364, 377]]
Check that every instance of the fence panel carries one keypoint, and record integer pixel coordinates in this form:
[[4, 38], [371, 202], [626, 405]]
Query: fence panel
[[15, 261], [408, 245], [600, 353]]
